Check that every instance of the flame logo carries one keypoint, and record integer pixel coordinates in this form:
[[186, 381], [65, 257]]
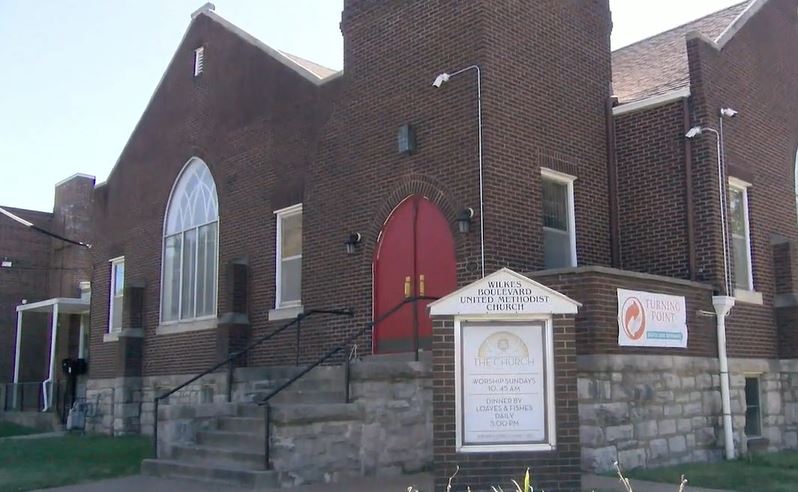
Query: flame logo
[[634, 318]]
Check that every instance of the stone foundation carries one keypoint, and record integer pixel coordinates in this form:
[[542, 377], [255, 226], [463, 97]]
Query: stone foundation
[[658, 410]]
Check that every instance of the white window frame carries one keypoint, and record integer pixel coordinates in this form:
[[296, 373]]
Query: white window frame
[[115, 262], [196, 320], [742, 186], [567, 180], [795, 176], [199, 60], [278, 256]]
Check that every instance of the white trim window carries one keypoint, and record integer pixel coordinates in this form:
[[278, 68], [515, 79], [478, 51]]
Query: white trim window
[[190, 246], [116, 295], [740, 234], [559, 225], [289, 257], [795, 170]]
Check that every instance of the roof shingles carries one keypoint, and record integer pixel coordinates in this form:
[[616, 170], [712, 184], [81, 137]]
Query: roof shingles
[[658, 65]]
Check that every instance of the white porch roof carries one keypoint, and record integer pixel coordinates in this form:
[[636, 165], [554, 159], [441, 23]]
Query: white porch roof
[[66, 305]]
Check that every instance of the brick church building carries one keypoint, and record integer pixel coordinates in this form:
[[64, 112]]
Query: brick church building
[[258, 187]]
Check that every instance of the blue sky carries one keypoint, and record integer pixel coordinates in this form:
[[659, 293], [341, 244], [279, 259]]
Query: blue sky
[[78, 73]]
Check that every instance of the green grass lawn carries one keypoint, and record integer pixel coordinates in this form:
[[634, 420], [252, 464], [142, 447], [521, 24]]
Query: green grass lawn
[[776, 472], [8, 429], [27, 464]]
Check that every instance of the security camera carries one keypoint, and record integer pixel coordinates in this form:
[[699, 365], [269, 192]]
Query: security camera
[[440, 79], [728, 112]]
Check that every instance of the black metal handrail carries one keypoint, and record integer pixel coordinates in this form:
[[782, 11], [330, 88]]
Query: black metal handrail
[[330, 353], [14, 399], [232, 357]]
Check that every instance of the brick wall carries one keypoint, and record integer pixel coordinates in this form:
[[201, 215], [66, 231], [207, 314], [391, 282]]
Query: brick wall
[[28, 278], [756, 73], [597, 321], [652, 192], [253, 121], [359, 176]]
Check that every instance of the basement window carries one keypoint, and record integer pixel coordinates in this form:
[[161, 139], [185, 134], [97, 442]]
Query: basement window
[[559, 237], [199, 60], [753, 408]]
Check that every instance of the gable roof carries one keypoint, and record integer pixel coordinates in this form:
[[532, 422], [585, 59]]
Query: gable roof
[[311, 71], [658, 65]]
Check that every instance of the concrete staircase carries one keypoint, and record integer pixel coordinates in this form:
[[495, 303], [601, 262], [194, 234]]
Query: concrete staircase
[[315, 435]]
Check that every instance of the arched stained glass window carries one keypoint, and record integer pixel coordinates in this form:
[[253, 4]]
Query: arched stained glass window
[[190, 246]]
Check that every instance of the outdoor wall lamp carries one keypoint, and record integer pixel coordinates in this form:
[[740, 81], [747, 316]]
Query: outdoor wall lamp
[[437, 83], [464, 220], [352, 241]]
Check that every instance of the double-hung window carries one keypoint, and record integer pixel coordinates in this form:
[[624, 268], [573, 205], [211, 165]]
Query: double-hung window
[[116, 295], [190, 247], [289, 257], [740, 234], [559, 230]]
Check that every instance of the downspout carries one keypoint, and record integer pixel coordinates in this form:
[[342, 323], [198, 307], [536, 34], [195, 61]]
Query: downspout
[[612, 177], [723, 305], [688, 190]]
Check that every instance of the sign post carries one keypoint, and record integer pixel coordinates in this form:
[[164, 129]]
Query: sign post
[[504, 362]]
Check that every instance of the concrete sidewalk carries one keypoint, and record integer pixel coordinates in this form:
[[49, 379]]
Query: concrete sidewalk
[[141, 483], [612, 484]]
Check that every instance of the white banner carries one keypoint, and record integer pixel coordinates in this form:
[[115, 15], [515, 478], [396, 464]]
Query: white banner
[[646, 319]]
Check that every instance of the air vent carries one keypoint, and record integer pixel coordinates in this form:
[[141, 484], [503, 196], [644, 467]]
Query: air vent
[[199, 60]]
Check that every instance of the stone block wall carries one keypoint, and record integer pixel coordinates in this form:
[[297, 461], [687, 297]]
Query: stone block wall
[[119, 406], [649, 411], [397, 430]]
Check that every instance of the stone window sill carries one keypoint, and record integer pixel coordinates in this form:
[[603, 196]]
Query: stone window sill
[[285, 312], [187, 326], [748, 297], [114, 336]]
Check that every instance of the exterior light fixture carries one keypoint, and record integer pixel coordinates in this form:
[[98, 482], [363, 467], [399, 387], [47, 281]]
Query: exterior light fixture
[[6, 263], [464, 220], [352, 241], [694, 132], [406, 139], [441, 79]]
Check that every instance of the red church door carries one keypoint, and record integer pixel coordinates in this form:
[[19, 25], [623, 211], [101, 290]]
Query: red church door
[[414, 256]]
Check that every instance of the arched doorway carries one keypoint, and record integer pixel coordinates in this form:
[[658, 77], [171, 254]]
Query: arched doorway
[[414, 256]]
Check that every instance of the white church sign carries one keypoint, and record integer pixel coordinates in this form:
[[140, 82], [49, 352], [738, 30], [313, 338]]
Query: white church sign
[[504, 362]]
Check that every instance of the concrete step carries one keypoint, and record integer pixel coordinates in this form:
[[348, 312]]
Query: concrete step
[[249, 441], [241, 424], [213, 455], [217, 474], [302, 396], [312, 413]]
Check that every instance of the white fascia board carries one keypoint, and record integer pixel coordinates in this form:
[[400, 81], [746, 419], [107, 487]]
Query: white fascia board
[[652, 102], [276, 54], [243, 35], [738, 23], [76, 175]]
